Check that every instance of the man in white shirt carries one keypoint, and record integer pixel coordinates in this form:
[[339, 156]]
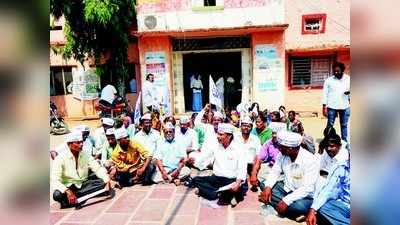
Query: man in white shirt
[[333, 154], [88, 142], [210, 137], [249, 143], [149, 93], [170, 158], [229, 169], [336, 98], [69, 173], [293, 196], [187, 135], [100, 138], [147, 136], [108, 95]]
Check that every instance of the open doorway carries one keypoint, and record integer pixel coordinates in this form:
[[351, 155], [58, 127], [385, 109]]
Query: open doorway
[[220, 64]]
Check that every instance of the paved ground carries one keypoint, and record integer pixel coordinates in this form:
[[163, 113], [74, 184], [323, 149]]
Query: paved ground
[[166, 204]]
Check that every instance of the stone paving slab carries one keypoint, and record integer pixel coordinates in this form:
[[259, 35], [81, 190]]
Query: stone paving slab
[[163, 204]]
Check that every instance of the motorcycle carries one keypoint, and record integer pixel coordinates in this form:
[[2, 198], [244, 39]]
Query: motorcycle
[[57, 124], [121, 108]]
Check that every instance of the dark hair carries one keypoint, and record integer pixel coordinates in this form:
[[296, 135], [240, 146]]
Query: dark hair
[[277, 115], [329, 131], [292, 112], [254, 105], [334, 139], [148, 75], [340, 65], [262, 116], [193, 116], [282, 107], [170, 119]]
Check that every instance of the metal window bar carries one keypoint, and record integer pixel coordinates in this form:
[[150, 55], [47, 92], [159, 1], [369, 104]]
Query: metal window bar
[[308, 71]]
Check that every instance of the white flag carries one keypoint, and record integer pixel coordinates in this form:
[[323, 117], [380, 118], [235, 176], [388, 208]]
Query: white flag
[[214, 94], [137, 109]]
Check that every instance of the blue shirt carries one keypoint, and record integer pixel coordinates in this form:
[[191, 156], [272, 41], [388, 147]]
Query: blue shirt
[[170, 153], [337, 187]]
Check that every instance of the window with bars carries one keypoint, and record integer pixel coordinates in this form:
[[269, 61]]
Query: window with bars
[[313, 24], [310, 71], [60, 80]]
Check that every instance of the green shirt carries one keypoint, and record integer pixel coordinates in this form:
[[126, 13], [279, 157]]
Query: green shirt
[[64, 172], [200, 134], [265, 135]]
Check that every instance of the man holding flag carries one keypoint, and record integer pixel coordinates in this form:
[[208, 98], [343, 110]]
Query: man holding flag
[[216, 97]]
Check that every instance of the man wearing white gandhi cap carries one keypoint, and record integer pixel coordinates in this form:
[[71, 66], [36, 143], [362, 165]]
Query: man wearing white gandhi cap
[[187, 135], [131, 160], [249, 143], [291, 197], [170, 158], [210, 135], [229, 169], [100, 134], [147, 135], [69, 176]]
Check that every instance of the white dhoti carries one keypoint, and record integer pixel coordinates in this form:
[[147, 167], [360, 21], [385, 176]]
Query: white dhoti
[[200, 163], [157, 176]]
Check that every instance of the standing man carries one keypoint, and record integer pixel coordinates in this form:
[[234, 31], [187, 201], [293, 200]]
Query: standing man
[[150, 93], [170, 158], [197, 86], [229, 168], [187, 135], [132, 160], [69, 173], [291, 197], [147, 136], [336, 98]]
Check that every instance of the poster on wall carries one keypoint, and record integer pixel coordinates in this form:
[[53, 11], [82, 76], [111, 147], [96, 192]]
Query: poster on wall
[[85, 84], [156, 64], [268, 66]]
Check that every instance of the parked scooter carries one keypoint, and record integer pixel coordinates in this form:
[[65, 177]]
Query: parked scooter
[[121, 108], [57, 124]]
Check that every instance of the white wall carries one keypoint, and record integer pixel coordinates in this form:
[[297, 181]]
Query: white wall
[[272, 13]]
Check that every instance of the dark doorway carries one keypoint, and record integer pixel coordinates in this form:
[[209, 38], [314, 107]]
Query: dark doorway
[[221, 64]]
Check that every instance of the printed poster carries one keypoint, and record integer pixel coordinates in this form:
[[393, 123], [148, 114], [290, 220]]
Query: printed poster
[[268, 68], [156, 64], [85, 84]]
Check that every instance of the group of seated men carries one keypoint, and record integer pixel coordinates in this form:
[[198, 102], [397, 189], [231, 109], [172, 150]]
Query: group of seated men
[[294, 181]]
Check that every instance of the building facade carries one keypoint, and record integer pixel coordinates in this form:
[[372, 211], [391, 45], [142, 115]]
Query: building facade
[[273, 52], [278, 52]]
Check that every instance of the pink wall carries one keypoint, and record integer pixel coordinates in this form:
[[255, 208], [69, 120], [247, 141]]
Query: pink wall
[[337, 23], [272, 37], [71, 107], [179, 5]]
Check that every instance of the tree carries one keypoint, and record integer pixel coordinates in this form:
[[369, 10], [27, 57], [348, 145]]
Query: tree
[[95, 29]]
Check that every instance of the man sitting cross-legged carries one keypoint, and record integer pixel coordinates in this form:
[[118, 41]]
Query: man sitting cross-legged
[[331, 204], [229, 168], [132, 161], [69, 173], [170, 158], [293, 196]]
